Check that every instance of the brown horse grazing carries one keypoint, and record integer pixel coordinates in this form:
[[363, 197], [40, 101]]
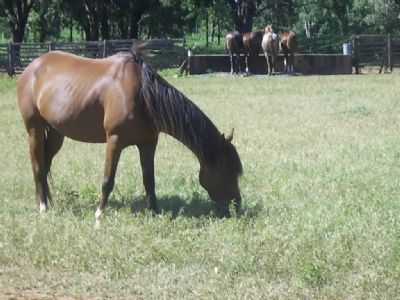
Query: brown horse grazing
[[288, 46], [270, 46], [234, 45], [119, 101], [252, 45]]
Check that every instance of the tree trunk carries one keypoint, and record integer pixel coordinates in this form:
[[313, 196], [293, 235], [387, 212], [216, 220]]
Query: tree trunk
[[219, 32], [17, 14], [105, 28], [71, 28], [212, 30], [207, 29], [243, 12], [134, 28]]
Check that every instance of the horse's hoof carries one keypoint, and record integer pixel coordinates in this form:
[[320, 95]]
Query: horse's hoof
[[97, 225]]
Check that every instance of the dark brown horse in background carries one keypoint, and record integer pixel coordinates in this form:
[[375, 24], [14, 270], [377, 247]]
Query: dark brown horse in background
[[234, 46], [251, 45], [119, 101], [288, 45], [270, 46]]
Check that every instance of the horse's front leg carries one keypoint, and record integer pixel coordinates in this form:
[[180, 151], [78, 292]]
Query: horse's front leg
[[273, 64], [268, 63], [37, 152], [147, 152], [113, 152]]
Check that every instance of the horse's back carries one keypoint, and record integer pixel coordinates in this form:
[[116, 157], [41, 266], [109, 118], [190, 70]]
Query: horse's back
[[73, 94]]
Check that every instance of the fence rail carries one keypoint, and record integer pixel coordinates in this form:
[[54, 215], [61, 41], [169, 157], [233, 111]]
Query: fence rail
[[14, 57], [376, 50]]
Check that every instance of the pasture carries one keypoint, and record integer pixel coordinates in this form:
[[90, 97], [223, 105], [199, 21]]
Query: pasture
[[321, 201]]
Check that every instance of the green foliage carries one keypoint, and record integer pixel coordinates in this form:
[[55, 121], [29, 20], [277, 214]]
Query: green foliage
[[322, 26]]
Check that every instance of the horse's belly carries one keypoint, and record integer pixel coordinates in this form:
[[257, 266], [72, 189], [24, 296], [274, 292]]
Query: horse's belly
[[81, 130], [81, 124]]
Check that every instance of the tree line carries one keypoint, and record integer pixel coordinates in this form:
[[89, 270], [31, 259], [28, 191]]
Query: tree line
[[44, 20]]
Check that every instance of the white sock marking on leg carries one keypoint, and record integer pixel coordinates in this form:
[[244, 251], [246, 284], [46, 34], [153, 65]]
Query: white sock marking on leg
[[42, 207]]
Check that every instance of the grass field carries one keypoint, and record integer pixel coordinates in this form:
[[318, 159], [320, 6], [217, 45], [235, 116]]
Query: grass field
[[321, 216]]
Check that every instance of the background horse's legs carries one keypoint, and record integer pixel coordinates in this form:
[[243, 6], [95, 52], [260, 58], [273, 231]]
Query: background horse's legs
[[37, 149], [273, 63], [291, 64], [268, 63], [238, 63], [113, 152], [231, 58], [286, 63], [147, 162], [247, 63]]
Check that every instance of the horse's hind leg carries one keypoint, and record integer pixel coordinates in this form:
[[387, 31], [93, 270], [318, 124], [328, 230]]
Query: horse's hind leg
[[37, 152], [147, 162], [43, 146], [113, 152]]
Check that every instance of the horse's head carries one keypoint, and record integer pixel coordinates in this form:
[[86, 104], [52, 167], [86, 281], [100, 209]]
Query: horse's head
[[268, 29], [221, 178]]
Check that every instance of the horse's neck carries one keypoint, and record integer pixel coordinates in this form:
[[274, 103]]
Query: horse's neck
[[196, 132], [175, 115]]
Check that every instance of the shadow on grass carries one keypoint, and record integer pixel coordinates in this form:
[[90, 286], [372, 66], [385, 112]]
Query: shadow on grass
[[193, 206]]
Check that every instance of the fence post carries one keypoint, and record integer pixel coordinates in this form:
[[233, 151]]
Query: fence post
[[11, 70], [389, 50], [356, 53], [104, 48]]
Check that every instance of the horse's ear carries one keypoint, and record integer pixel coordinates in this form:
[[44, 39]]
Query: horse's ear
[[229, 138]]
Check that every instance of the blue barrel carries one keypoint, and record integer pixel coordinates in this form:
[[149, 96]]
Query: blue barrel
[[347, 49]]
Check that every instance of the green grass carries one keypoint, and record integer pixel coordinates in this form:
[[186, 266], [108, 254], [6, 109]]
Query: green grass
[[321, 193]]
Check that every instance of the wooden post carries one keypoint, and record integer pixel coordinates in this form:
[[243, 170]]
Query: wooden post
[[389, 52], [104, 48], [356, 53], [10, 68]]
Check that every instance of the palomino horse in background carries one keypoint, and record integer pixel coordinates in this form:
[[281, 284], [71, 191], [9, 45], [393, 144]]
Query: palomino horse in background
[[119, 101], [288, 46], [234, 45], [251, 45], [270, 46]]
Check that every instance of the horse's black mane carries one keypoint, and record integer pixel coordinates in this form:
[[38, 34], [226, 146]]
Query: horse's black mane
[[173, 113]]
